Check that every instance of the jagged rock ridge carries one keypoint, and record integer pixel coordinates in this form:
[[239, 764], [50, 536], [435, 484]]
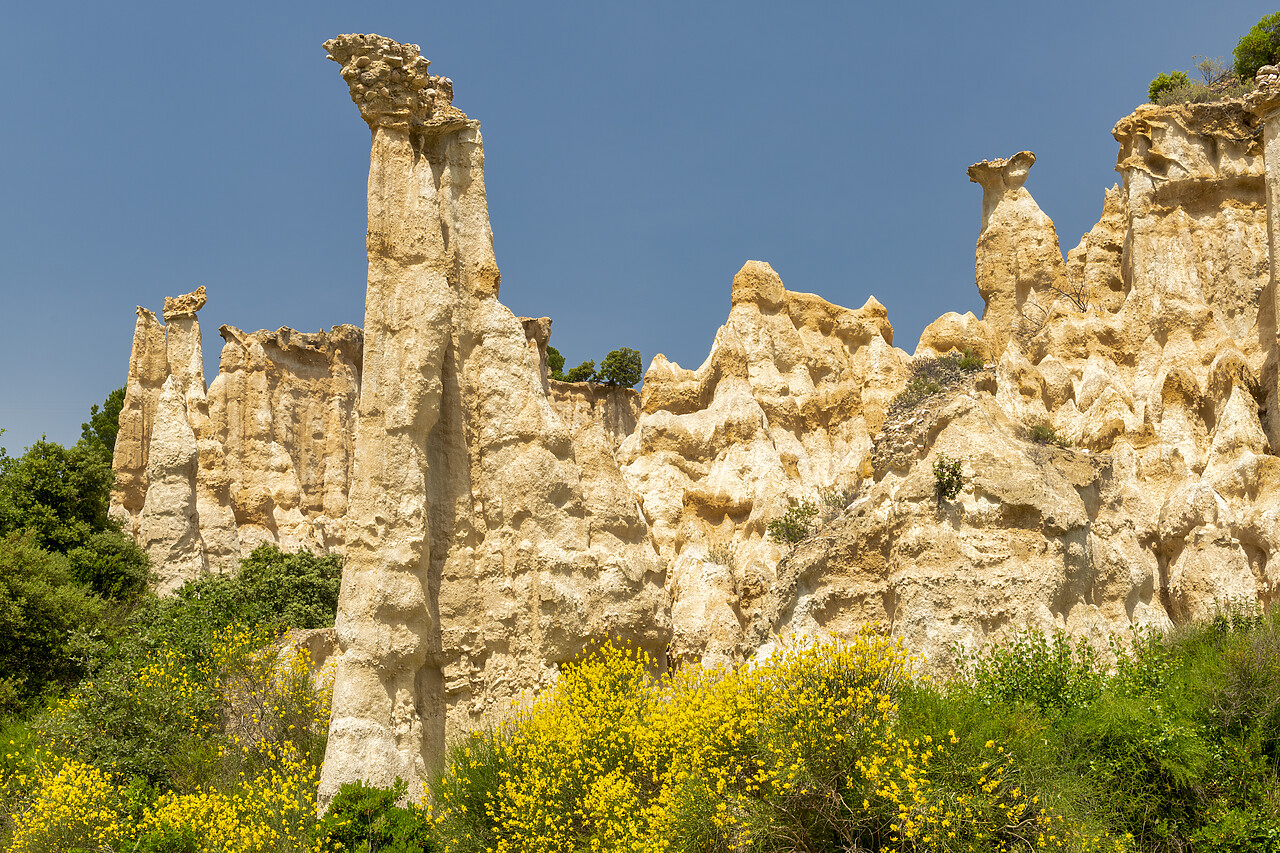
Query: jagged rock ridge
[[494, 520]]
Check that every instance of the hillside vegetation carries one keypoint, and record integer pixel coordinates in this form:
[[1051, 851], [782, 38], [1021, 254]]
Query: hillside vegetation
[[192, 723]]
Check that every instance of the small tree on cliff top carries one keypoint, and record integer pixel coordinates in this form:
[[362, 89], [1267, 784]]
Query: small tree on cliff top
[[1258, 47]]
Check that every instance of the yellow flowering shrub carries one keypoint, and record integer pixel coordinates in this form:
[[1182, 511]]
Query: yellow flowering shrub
[[251, 712], [801, 751], [72, 805]]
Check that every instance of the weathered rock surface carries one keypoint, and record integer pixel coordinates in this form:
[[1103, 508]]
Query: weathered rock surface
[[206, 474], [494, 520], [784, 406], [487, 540]]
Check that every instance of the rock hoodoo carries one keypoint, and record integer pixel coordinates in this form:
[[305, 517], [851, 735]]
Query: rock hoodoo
[[486, 540], [494, 521]]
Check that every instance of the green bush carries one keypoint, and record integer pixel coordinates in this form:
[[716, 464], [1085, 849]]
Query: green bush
[[1258, 47], [795, 524], [1165, 82], [555, 363], [104, 424], [947, 479], [299, 590], [969, 361], [366, 819], [1053, 674], [42, 607]]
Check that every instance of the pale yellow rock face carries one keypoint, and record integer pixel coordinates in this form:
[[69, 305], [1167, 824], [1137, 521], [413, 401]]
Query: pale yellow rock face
[[1152, 352], [488, 539], [263, 455], [785, 406]]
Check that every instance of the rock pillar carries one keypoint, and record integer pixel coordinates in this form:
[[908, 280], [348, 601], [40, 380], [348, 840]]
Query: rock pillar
[[487, 540], [1264, 102], [1018, 253]]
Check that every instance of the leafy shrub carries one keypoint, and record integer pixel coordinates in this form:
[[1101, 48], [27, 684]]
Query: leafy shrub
[[366, 819], [104, 425], [1258, 47], [1166, 82], [947, 479], [42, 606], [1053, 674], [299, 590], [969, 361], [1042, 434], [795, 524]]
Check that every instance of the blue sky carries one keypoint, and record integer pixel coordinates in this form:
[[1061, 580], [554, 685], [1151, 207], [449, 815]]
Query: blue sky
[[636, 156]]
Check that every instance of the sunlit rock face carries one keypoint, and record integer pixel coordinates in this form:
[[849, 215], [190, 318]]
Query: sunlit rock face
[[204, 474], [785, 406], [494, 520], [1151, 352], [487, 539]]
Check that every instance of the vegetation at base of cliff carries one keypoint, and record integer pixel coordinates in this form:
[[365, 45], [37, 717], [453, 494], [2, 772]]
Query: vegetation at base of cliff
[[131, 722], [621, 367]]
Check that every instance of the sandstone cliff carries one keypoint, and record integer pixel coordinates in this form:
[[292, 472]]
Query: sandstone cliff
[[206, 474], [494, 520]]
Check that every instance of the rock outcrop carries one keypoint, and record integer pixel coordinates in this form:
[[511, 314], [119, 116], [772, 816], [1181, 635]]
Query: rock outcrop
[[1117, 445], [263, 454], [486, 540], [784, 407]]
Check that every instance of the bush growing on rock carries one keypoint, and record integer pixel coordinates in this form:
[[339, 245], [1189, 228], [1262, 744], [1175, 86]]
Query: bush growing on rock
[[1258, 47], [1166, 82]]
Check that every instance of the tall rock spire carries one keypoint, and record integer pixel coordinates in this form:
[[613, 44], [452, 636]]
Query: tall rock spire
[[486, 541]]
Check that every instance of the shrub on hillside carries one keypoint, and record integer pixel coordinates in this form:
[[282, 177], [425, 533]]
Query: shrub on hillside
[[42, 607]]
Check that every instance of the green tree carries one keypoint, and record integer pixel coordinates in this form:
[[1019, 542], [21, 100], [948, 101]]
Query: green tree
[[585, 372], [42, 605], [104, 424], [1166, 82], [61, 495], [622, 367], [555, 362], [1258, 47]]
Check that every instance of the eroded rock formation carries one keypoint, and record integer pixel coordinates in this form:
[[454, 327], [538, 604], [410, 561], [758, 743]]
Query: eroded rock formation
[[494, 520], [487, 540], [206, 474]]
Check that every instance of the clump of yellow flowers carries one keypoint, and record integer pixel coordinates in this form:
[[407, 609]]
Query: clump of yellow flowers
[[246, 706], [801, 751]]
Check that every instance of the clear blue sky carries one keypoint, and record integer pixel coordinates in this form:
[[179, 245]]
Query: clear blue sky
[[636, 155]]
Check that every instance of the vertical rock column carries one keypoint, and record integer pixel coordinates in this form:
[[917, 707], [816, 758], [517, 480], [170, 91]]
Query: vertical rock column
[[1264, 102], [1018, 253], [148, 369], [383, 708]]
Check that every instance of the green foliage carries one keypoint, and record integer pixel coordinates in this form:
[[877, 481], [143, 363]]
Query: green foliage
[[100, 432], [1053, 674], [622, 367], [947, 478], [1165, 82], [795, 524], [1258, 47], [969, 361], [585, 372], [555, 363], [61, 495], [42, 606], [298, 590], [1042, 434], [366, 819]]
